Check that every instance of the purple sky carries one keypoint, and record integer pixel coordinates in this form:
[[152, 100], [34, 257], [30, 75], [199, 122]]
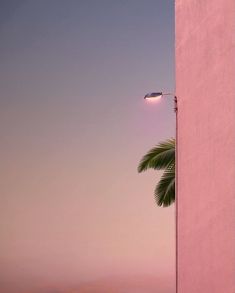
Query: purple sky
[[74, 126]]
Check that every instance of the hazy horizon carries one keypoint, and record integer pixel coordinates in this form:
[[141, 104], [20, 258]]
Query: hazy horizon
[[74, 126]]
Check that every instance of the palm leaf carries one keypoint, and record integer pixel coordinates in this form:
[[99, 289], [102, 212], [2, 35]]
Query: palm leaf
[[159, 157], [165, 189]]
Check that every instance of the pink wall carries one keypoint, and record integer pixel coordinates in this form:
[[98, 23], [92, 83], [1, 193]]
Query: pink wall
[[205, 86]]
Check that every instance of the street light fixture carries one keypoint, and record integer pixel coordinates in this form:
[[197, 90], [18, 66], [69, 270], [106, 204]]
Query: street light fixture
[[159, 95], [150, 96]]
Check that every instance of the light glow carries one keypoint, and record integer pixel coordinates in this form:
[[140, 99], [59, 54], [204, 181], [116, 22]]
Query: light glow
[[153, 99]]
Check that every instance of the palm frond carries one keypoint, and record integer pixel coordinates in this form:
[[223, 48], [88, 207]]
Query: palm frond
[[159, 157], [165, 189]]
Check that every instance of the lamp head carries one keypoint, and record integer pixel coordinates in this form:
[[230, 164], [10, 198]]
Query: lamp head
[[150, 96]]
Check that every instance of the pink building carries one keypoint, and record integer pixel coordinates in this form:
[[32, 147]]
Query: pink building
[[205, 86]]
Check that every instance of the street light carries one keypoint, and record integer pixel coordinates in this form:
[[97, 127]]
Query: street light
[[157, 96]]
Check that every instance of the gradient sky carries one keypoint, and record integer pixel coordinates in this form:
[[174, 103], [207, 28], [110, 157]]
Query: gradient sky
[[74, 126]]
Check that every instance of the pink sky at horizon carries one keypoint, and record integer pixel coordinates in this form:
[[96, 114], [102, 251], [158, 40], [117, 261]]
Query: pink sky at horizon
[[74, 126]]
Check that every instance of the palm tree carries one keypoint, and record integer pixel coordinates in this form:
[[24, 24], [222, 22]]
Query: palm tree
[[162, 157]]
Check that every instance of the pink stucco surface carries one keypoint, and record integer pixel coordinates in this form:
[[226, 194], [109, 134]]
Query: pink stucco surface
[[205, 86]]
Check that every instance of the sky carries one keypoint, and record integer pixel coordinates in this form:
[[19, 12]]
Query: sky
[[75, 214]]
